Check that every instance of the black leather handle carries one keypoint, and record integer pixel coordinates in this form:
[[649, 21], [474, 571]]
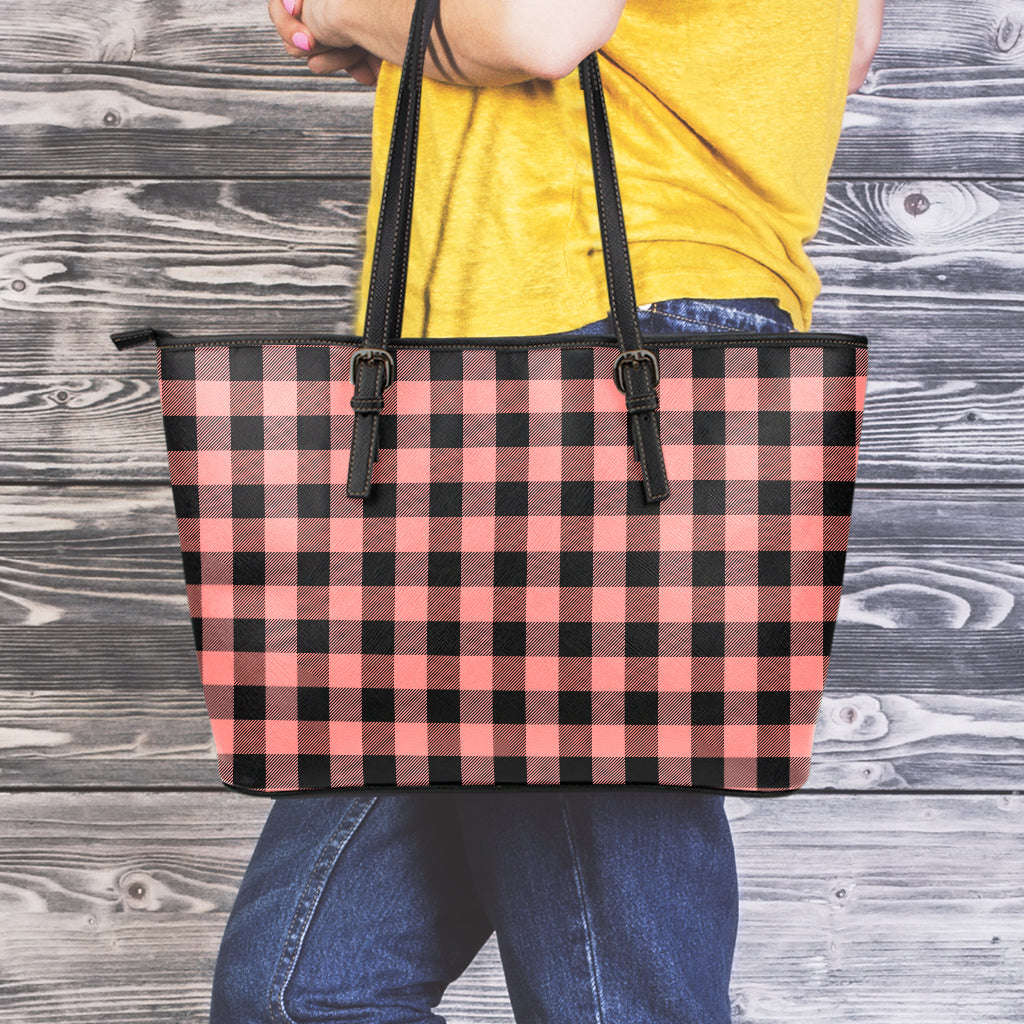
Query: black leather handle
[[386, 295], [636, 369]]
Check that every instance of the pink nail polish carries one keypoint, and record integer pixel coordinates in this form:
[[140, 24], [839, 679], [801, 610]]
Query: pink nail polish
[[289, 6], [301, 40]]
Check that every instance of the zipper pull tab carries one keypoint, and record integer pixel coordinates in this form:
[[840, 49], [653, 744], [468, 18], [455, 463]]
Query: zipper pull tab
[[129, 339]]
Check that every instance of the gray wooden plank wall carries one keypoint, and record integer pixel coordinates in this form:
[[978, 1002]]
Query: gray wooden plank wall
[[166, 162]]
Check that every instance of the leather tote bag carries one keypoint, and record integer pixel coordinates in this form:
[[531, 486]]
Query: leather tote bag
[[521, 561]]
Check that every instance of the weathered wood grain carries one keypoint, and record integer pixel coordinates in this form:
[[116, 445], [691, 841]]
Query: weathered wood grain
[[923, 240], [121, 118], [86, 255], [846, 912], [158, 32], [940, 99], [889, 227], [941, 34], [102, 706], [877, 875], [923, 34], [181, 249], [112, 908], [965, 123], [213, 256]]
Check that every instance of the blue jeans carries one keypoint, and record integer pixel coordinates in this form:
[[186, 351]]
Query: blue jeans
[[616, 906]]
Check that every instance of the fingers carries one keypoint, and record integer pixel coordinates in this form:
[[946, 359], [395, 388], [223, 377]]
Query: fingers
[[320, 59], [297, 38], [353, 59]]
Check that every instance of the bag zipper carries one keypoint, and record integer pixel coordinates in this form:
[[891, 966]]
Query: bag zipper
[[131, 339]]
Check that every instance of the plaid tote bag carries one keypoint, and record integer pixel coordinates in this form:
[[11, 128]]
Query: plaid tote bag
[[528, 561]]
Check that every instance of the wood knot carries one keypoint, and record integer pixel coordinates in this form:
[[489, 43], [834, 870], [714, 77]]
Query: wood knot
[[111, 118], [19, 286], [916, 204], [137, 889], [1007, 34]]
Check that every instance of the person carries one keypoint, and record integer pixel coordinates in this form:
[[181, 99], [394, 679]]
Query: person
[[609, 905]]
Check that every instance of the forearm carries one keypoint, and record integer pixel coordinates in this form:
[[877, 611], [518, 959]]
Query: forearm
[[868, 35], [475, 42]]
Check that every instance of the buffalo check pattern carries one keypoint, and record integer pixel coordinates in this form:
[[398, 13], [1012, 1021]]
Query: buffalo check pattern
[[504, 607]]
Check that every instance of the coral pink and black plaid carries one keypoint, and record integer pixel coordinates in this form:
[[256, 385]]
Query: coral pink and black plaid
[[505, 607]]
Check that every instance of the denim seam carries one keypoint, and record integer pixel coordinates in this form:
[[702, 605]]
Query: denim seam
[[306, 907], [588, 931], [753, 317]]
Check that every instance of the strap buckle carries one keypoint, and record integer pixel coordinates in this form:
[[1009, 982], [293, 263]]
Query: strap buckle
[[635, 355], [370, 355]]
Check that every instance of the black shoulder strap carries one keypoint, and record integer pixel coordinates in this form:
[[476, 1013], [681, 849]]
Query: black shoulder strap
[[636, 368]]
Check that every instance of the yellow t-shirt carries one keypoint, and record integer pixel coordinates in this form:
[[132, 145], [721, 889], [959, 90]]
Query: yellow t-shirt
[[725, 116]]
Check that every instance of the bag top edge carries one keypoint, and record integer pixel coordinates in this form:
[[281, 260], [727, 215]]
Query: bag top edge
[[787, 340]]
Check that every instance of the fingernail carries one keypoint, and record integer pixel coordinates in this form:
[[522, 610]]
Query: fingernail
[[289, 6], [301, 40]]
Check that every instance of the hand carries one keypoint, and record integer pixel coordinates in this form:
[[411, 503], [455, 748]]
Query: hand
[[329, 49], [481, 42]]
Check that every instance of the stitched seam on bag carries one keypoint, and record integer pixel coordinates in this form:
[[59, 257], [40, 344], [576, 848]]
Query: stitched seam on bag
[[356, 432], [374, 423], [601, 111], [374, 427], [598, 97], [620, 220], [604, 218], [413, 136], [500, 346], [417, 68], [615, 315], [645, 370], [384, 192], [640, 443]]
